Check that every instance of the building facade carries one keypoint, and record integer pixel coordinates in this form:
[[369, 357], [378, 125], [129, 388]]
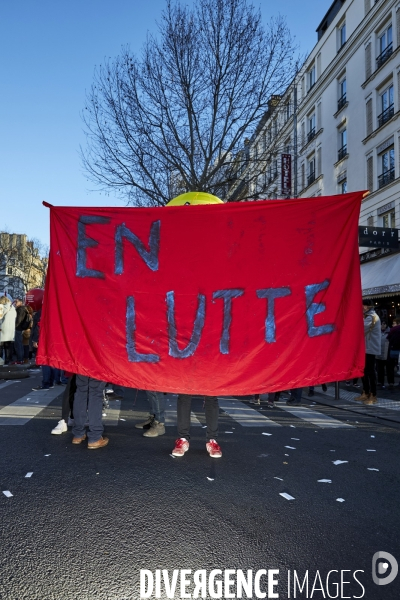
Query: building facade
[[340, 124], [21, 265]]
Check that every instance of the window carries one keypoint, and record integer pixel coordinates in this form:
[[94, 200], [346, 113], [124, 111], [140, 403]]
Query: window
[[311, 77], [386, 160], [311, 128], [385, 46], [387, 106], [342, 93], [342, 144], [343, 187], [287, 110], [311, 171], [9, 271], [275, 170], [388, 219], [342, 35]]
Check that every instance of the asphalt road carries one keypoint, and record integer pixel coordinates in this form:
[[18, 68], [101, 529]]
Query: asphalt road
[[84, 524]]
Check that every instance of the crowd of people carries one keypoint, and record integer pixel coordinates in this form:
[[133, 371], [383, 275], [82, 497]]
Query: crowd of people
[[84, 397]]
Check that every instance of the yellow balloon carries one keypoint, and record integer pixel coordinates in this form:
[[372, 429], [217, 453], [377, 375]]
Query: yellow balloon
[[194, 198]]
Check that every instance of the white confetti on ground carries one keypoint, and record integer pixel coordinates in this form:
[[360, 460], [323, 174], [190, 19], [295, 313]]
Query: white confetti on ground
[[228, 431], [278, 478], [372, 436], [339, 500], [371, 450], [324, 480], [122, 419], [290, 447], [29, 474], [204, 427], [172, 456], [47, 454], [286, 496], [339, 462], [262, 455], [332, 450], [264, 433], [294, 427], [210, 479], [297, 439], [372, 469], [286, 454], [7, 493]]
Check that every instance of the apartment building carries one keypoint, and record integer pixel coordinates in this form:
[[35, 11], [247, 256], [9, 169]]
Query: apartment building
[[340, 125], [21, 265]]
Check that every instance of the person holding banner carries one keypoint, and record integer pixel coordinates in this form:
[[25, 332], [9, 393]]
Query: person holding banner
[[184, 407]]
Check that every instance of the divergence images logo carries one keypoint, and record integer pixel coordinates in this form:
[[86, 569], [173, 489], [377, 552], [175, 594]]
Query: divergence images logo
[[380, 568]]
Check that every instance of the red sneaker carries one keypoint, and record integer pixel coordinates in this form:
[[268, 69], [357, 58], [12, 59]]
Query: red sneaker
[[181, 446], [213, 449]]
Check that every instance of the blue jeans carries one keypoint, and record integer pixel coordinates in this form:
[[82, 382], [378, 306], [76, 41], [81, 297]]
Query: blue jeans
[[88, 404], [50, 375], [18, 345], [157, 405]]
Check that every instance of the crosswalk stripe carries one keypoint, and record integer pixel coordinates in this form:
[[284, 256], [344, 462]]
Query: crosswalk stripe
[[24, 409], [171, 414], [314, 417], [112, 413], [245, 415]]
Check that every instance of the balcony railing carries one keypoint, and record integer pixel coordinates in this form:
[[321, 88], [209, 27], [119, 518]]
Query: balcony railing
[[384, 55], [341, 102], [386, 177], [311, 134], [342, 152], [386, 115], [311, 178]]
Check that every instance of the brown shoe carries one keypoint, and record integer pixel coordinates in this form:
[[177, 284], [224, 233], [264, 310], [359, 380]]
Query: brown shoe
[[77, 440], [370, 400], [361, 398], [103, 441]]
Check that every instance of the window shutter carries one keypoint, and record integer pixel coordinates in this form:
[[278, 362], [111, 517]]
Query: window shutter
[[303, 134], [303, 86], [369, 117], [398, 26], [318, 66], [303, 180], [368, 64], [367, 5], [370, 174], [319, 162], [319, 117]]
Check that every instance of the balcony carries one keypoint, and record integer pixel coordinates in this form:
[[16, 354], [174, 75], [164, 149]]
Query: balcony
[[385, 178], [311, 135], [311, 178], [342, 152], [384, 55], [386, 115], [341, 102]]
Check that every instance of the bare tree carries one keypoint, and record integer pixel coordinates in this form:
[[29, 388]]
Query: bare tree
[[175, 118]]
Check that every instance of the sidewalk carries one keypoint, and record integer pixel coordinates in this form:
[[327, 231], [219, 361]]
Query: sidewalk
[[387, 407]]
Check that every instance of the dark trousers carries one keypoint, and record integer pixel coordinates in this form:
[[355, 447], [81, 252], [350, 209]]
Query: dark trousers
[[88, 404], [8, 351], [68, 399], [369, 378], [380, 368], [184, 408]]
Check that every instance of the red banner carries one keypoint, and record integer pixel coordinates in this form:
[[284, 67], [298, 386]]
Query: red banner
[[219, 299]]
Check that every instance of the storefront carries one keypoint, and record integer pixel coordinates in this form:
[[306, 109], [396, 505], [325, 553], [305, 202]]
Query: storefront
[[380, 279]]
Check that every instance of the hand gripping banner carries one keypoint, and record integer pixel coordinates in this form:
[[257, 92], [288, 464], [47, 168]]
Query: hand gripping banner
[[218, 299]]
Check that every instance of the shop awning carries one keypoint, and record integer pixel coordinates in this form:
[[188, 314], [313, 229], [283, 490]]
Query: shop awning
[[381, 277]]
